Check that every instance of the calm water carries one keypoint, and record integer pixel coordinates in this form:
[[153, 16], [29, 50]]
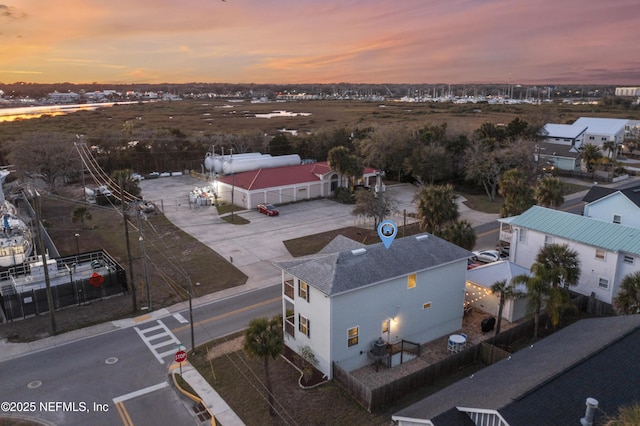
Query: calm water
[[23, 113]]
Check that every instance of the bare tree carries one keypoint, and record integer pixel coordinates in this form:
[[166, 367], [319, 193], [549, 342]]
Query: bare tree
[[51, 156]]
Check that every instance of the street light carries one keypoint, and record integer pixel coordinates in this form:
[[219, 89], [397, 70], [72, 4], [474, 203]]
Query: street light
[[77, 246]]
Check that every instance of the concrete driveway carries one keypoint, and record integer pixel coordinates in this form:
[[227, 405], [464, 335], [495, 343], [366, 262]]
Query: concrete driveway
[[253, 247]]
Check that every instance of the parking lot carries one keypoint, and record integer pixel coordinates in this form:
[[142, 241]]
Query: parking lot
[[253, 247]]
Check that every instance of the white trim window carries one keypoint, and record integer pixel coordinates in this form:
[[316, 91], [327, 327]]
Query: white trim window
[[352, 336], [304, 325], [601, 254], [629, 259], [603, 283], [522, 235], [617, 218], [548, 240], [303, 290]]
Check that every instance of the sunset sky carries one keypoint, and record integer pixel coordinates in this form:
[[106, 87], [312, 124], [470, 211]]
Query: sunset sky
[[320, 41]]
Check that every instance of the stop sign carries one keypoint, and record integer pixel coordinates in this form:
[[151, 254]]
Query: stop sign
[[180, 356]]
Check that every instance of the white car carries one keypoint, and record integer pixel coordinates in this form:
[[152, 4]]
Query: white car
[[486, 256]]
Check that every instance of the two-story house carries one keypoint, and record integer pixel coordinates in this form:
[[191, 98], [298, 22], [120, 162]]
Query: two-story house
[[621, 206], [607, 251], [601, 130], [341, 300]]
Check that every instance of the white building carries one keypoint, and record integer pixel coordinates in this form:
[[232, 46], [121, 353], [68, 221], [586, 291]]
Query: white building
[[478, 289], [613, 205], [607, 251], [601, 130], [279, 185], [627, 91], [343, 299]]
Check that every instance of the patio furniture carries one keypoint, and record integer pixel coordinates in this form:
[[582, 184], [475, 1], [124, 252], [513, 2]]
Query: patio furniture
[[456, 343]]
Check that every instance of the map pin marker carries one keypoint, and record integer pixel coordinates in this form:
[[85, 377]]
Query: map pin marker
[[387, 230]]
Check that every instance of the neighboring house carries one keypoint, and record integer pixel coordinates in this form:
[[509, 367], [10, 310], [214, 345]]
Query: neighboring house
[[620, 206], [560, 156], [341, 300], [601, 130], [279, 185], [607, 251], [479, 296], [564, 134], [545, 384]]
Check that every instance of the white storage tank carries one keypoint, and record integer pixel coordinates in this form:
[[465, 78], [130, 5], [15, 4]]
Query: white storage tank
[[214, 162], [236, 165]]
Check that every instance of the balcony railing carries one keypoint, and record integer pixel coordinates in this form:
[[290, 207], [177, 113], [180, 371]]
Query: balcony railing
[[288, 289], [289, 326]]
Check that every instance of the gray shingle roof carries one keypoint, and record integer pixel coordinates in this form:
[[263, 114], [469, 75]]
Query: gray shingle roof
[[535, 369], [598, 192], [342, 271], [597, 233]]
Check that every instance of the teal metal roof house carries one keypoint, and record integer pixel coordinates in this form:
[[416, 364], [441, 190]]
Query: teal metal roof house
[[607, 251]]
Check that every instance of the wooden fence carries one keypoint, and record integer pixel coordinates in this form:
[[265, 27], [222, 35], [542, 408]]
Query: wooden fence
[[487, 352]]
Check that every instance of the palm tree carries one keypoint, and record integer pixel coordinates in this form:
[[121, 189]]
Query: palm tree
[[507, 292], [628, 415], [263, 339], [560, 263], [516, 191], [559, 266], [537, 292], [436, 207], [627, 301], [461, 233], [590, 155], [548, 192]]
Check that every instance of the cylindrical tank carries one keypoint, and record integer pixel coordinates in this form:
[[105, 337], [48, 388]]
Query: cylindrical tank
[[214, 162], [208, 161], [264, 162]]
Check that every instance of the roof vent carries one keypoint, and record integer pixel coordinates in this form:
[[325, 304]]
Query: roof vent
[[592, 405], [358, 251], [422, 237]]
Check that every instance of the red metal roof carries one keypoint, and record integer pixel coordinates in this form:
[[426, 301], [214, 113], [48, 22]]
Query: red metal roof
[[282, 176]]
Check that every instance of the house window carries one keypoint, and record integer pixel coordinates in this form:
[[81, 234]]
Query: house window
[[592, 138], [603, 138], [629, 259], [303, 291], [617, 218], [303, 325], [603, 283], [548, 240], [411, 282], [522, 237], [426, 305], [600, 253], [352, 336]]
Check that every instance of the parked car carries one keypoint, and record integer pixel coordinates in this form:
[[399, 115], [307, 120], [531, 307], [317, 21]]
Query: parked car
[[165, 174], [471, 264], [268, 209], [486, 256], [136, 177]]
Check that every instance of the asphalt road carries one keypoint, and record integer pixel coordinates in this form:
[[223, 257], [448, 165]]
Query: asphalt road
[[122, 377]]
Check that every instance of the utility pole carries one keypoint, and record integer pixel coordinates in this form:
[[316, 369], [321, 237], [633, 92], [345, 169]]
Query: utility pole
[[134, 302], [193, 347], [233, 185], [144, 262], [44, 262]]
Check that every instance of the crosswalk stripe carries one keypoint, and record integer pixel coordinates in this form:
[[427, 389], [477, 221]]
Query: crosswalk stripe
[[169, 337]]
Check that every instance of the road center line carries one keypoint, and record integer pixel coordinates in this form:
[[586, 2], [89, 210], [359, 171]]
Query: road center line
[[228, 314]]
